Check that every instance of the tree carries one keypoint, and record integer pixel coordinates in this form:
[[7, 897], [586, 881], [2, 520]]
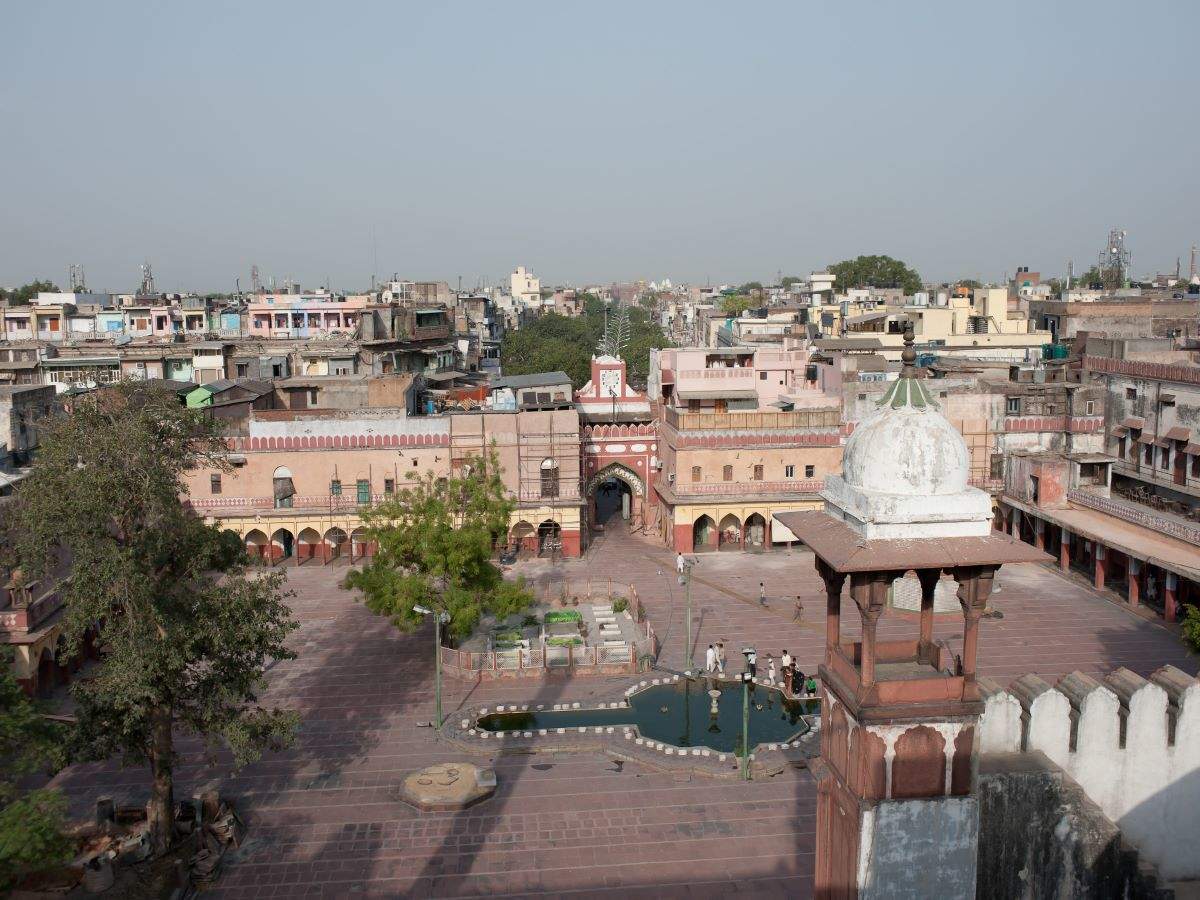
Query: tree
[[736, 304], [969, 283], [750, 286], [188, 631], [789, 280], [435, 540], [31, 821], [875, 271], [26, 292], [1191, 627]]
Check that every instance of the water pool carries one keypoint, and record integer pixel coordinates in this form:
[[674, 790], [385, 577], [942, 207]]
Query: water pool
[[678, 713]]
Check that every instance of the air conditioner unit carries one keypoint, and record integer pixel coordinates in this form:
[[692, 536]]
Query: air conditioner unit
[[671, 478]]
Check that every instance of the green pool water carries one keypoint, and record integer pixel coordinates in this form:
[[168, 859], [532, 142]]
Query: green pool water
[[686, 721]]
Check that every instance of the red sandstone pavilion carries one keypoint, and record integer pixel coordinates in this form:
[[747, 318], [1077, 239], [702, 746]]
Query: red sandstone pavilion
[[898, 811]]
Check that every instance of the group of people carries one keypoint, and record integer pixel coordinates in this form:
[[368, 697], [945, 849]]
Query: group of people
[[788, 676]]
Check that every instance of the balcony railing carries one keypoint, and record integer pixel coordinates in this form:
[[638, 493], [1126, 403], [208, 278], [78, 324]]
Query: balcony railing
[[1158, 475], [751, 421], [1136, 515], [746, 488], [347, 503]]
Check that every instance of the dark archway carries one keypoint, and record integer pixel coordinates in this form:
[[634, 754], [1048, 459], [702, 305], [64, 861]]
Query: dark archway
[[730, 534], [549, 538], [704, 534], [45, 673], [756, 532]]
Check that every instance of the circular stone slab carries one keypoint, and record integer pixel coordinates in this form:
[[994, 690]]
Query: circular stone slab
[[448, 786]]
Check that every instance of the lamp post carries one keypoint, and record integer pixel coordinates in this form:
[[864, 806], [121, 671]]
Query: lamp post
[[440, 618], [685, 579], [747, 679]]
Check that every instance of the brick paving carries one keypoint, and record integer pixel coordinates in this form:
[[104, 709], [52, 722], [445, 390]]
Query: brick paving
[[325, 819]]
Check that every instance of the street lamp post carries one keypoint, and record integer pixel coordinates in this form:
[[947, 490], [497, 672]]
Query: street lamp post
[[440, 618], [747, 678], [685, 578]]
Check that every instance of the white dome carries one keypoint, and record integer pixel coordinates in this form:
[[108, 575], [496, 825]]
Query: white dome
[[907, 451]]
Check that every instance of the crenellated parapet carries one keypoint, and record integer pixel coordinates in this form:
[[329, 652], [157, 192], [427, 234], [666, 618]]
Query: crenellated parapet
[[1131, 743]]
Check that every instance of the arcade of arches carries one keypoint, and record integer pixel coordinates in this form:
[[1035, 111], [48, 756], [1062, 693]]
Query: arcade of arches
[[698, 528]]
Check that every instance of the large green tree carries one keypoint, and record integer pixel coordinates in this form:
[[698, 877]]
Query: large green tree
[[26, 292], [187, 630], [552, 343], [875, 271], [31, 821], [435, 542]]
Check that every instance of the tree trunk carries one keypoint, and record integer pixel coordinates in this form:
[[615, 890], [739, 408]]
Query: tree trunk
[[161, 808]]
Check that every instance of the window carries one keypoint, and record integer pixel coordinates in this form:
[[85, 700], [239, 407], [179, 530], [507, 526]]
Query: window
[[335, 488], [810, 471], [1130, 393], [243, 370], [997, 466], [214, 484], [414, 462], [1165, 460], [277, 371], [549, 478], [727, 473], [789, 471], [762, 376], [693, 406], [364, 490], [758, 473], [695, 473], [283, 488], [1033, 488], [1014, 406], [1149, 454], [1091, 408], [1050, 408], [312, 396], [389, 485]]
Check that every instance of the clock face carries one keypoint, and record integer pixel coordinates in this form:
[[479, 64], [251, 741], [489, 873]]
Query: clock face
[[610, 382]]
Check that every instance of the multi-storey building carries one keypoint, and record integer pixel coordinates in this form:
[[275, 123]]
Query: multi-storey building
[[742, 435]]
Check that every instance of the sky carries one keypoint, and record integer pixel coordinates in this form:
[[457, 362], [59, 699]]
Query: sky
[[591, 142]]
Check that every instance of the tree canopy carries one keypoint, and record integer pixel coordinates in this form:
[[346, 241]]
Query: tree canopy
[[435, 539], [553, 342], [736, 304], [875, 271], [26, 292], [188, 632], [789, 280], [31, 821]]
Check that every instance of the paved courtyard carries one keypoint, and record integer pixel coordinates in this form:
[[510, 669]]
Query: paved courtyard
[[325, 819]]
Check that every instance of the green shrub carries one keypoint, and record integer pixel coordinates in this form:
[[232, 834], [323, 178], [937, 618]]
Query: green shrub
[[508, 635], [563, 615], [1191, 627], [620, 605], [565, 641]]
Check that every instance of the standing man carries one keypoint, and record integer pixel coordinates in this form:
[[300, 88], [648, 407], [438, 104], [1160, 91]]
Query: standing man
[[762, 594], [786, 660], [679, 563], [752, 664], [799, 616], [721, 658], [710, 659]]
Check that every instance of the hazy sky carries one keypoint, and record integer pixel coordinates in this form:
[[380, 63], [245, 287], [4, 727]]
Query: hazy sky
[[592, 141]]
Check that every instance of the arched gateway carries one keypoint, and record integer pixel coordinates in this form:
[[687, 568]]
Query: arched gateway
[[629, 486]]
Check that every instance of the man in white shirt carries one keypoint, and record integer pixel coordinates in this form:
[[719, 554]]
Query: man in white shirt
[[786, 660], [710, 659], [679, 563]]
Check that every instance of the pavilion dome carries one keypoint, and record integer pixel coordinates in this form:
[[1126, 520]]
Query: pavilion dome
[[907, 447]]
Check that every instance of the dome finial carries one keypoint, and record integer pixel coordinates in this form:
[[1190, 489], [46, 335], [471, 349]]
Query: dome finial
[[909, 356]]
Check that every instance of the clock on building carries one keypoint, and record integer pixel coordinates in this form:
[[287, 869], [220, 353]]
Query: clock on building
[[610, 382]]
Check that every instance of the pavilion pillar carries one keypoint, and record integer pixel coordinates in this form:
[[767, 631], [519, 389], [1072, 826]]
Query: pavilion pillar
[[1014, 525], [1170, 587], [929, 582], [1101, 565], [974, 588], [1133, 576], [1064, 550], [767, 533], [1039, 533], [869, 591], [833, 605]]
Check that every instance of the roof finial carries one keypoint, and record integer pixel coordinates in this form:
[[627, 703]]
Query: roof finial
[[909, 356]]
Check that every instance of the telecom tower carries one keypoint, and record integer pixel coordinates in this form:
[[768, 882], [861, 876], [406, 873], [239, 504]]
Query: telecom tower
[[1114, 261], [78, 282], [147, 288]]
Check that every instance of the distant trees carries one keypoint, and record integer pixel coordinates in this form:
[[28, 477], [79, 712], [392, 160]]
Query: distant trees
[[188, 632], [435, 540], [26, 292], [789, 280], [736, 304], [875, 271], [553, 343], [750, 286]]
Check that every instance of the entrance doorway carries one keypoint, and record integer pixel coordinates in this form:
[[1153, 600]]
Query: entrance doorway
[[613, 498]]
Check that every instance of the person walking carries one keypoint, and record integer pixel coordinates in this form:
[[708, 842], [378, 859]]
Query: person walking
[[799, 615], [810, 686], [721, 658], [752, 664], [710, 659], [762, 594], [679, 563], [797, 682], [771, 668]]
